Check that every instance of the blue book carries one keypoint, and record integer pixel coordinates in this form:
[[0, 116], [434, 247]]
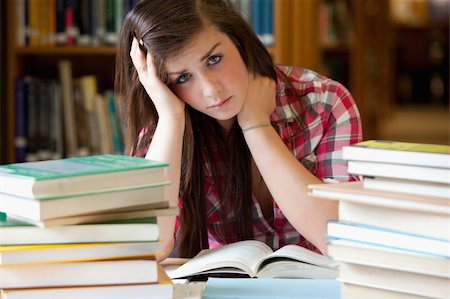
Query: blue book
[[395, 239], [245, 288]]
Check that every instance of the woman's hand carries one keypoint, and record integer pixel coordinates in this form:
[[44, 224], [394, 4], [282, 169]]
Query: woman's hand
[[166, 102], [259, 103]]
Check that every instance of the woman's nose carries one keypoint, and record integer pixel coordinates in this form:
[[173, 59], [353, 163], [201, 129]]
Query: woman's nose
[[211, 86]]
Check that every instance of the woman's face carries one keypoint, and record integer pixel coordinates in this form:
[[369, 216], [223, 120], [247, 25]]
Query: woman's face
[[210, 76]]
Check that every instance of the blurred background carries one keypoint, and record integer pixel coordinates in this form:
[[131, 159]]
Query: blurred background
[[57, 67]]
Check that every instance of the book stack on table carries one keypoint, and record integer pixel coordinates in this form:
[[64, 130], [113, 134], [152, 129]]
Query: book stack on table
[[392, 239], [82, 227]]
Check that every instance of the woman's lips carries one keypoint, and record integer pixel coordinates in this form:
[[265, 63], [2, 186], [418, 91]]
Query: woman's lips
[[221, 104]]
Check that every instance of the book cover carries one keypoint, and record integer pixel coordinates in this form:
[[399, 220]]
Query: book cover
[[162, 289], [34, 210], [242, 288], [354, 291], [420, 154], [256, 259], [374, 255], [79, 274], [407, 186], [374, 235], [58, 253], [156, 209], [16, 232], [79, 175], [417, 222], [399, 171], [355, 192], [399, 281]]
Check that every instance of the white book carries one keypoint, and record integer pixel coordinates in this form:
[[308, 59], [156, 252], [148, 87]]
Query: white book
[[416, 222], [392, 280], [354, 192], [15, 232], [51, 253], [407, 186], [36, 210], [354, 291], [384, 151], [390, 258], [162, 289], [400, 171], [78, 274], [390, 238]]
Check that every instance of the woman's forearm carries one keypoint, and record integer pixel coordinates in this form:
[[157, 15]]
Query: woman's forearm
[[287, 179], [166, 146]]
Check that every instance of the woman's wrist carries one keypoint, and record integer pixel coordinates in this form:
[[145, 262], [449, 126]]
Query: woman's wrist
[[255, 125]]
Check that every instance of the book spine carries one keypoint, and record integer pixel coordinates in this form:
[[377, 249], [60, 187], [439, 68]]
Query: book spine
[[65, 74], [21, 121]]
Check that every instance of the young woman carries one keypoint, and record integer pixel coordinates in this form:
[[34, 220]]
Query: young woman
[[244, 138]]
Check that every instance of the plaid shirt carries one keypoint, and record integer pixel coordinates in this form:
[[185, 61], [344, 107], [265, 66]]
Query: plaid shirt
[[315, 117]]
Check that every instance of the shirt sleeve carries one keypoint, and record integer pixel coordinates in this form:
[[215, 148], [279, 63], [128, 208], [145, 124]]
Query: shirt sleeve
[[341, 127]]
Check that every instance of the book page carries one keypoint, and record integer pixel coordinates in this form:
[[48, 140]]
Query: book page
[[301, 254], [243, 255]]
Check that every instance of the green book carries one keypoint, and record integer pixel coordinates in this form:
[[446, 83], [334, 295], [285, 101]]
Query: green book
[[79, 175]]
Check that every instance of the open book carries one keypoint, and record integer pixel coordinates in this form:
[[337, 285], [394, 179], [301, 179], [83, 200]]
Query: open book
[[256, 259]]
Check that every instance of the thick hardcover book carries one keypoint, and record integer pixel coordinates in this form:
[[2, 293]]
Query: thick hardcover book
[[354, 291], [390, 258], [417, 222], [79, 175], [162, 289], [253, 258], [399, 281], [418, 154], [34, 210], [57, 253], [79, 274], [374, 235], [15, 232], [354, 192], [407, 186], [400, 171]]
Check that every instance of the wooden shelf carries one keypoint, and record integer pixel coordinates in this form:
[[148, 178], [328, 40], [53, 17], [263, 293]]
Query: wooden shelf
[[62, 51]]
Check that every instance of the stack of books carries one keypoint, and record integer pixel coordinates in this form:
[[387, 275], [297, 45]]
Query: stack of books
[[392, 239], [82, 227]]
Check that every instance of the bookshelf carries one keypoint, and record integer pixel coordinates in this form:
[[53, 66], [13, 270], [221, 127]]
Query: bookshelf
[[364, 61], [372, 59], [42, 61]]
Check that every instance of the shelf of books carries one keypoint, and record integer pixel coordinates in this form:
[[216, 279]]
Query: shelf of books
[[83, 227], [60, 75], [393, 226]]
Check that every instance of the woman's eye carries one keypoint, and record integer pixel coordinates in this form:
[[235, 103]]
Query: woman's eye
[[214, 59], [183, 78]]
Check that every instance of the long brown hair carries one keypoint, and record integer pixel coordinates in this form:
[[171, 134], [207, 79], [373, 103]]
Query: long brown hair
[[165, 28]]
